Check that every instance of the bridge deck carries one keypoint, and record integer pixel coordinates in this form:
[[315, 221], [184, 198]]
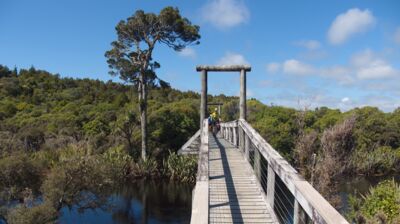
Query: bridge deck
[[234, 195]]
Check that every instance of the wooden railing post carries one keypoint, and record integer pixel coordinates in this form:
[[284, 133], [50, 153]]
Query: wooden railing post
[[203, 104], [246, 146], [271, 186], [234, 136], [257, 164], [201, 190], [299, 215]]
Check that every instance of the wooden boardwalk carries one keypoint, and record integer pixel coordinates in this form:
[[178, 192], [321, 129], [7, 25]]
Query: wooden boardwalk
[[234, 193]]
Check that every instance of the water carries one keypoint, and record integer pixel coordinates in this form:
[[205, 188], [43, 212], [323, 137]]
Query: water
[[359, 185], [145, 201]]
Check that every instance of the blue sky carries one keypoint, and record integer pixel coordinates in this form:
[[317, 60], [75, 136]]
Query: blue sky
[[340, 54]]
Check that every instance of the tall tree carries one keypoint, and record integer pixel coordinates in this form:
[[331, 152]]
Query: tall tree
[[131, 54]]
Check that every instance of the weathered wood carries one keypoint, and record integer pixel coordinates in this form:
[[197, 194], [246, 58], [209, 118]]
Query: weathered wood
[[202, 172], [231, 124], [316, 207], [235, 195], [203, 103], [200, 203], [201, 191], [234, 136], [242, 100], [223, 68], [216, 104], [189, 142], [271, 186]]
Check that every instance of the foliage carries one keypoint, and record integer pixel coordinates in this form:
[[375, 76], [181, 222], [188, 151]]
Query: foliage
[[17, 173], [381, 203], [51, 125], [382, 160], [131, 54], [182, 168], [39, 214]]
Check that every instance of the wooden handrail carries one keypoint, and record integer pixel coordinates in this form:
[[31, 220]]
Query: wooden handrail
[[312, 202], [200, 199]]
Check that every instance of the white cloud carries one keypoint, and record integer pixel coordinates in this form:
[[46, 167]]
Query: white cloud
[[397, 36], [350, 23], [295, 67], [362, 66], [225, 13], [309, 44], [376, 70], [341, 73], [273, 67], [369, 66], [187, 52], [231, 58], [345, 100]]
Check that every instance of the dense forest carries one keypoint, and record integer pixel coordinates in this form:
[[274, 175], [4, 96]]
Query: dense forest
[[54, 130]]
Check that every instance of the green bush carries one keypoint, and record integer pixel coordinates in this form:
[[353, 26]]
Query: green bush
[[40, 214], [146, 168], [381, 203], [182, 168], [382, 160], [18, 172]]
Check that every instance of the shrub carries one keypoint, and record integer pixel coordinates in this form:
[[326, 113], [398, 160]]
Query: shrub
[[40, 214], [381, 203], [18, 172], [146, 168], [182, 168], [379, 161]]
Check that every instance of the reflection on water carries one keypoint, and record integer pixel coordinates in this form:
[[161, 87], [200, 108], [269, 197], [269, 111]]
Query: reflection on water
[[144, 201], [359, 185]]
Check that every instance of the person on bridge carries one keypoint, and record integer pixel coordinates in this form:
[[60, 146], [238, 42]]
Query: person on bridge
[[214, 121]]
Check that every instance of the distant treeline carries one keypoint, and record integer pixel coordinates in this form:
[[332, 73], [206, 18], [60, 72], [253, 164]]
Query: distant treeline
[[48, 119]]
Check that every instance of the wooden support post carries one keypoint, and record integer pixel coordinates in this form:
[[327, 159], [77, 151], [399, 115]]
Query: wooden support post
[[246, 146], [296, 218], [242, 94], [203, 104], [230, 135], [234, 137], [271, 186], [257, 164], [299, 215], [225, 133]]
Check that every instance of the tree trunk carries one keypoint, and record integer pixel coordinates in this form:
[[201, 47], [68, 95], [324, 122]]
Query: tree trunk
[[143, 113]]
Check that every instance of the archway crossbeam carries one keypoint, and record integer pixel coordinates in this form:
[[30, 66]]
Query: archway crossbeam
[[204, 69]]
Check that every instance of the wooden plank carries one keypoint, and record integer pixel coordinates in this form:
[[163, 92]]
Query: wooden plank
[[201, 191], [223, 68], [182, 150], [234, 195]]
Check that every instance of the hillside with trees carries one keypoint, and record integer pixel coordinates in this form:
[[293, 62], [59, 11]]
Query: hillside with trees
[[54, 129]]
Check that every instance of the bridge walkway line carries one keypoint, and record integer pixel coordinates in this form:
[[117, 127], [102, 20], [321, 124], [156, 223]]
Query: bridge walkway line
[[234, 195]]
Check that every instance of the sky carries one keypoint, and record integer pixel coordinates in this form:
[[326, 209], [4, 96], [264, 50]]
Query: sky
[[340, 54]]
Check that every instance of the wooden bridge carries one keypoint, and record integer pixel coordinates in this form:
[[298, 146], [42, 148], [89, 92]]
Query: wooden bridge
[[242, 179]]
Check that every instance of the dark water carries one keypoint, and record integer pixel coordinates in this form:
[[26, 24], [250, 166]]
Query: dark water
[[145, 201], [359, 185]]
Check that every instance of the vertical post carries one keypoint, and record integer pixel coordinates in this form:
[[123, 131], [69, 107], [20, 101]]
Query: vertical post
[[257, 163], [219, 110], [246, 146], [203, 104], [242, 106], [270, 186], [299, 215], [242, 94], [234, 137], [231, 131]]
